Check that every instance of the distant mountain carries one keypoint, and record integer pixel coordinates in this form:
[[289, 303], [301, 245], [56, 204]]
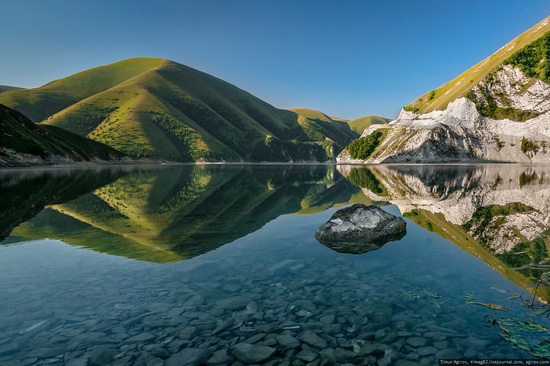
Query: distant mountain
[[5, 88], [499, 110], [359, 124], [22, 142], [159, 109]]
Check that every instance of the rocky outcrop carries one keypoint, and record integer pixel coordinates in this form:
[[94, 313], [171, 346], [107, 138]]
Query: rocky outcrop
[[360, 229], [460, 133]]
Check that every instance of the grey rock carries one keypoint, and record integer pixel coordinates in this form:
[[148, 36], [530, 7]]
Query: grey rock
[[251, 353], [146, 359], [189, 357], [143, 337], [448, 354], [380, 333], [417, 341], [360, 229], [287, 341], [161, 352], [195, 300], [233, 303], [304, 313], [78, 362], [232, 287], [43, 353], [102, 356], [313, 339], [332, 329], [306, 355], [374, 348], [405, 363], [220, 357], [305, 304], [327, 319], [188, 333], [255, 338], [387, 359], [327, 354], [155, 361], [175, 312], [270, 342], [223, 325], [343, 355], [251, 308], [425, 351]]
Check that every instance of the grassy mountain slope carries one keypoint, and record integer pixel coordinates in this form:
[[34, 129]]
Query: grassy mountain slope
[[22, 140], [40, 103], [359, 124], [5, 88], [154, 108], [439, 98]]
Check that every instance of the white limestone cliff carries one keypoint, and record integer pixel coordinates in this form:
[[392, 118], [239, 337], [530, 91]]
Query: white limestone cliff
[[459, 133]]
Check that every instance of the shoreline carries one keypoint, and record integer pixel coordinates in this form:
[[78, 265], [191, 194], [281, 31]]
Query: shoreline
[[134, 164]]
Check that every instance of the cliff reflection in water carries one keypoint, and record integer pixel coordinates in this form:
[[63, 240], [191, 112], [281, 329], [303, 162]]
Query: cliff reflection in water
[[499, 213], [172, 213]]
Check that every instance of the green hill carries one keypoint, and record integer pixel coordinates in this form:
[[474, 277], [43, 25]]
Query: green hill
[[439, 98], [23, 142], [158, 109], [359, 124]]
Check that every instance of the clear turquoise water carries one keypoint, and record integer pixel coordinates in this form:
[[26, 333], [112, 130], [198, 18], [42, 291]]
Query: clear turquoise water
[[402, 304]]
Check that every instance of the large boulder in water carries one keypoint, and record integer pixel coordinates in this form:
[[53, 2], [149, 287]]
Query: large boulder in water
[[360, 229]]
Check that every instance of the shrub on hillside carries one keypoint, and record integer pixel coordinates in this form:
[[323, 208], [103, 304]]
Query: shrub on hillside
[[365, 146], [528, 145]]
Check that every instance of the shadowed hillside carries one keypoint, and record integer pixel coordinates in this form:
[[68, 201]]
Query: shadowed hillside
[[23, 142]]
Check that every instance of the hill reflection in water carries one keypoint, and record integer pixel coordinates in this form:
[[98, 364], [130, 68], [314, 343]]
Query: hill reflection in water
[[163, 214], [499, 213]]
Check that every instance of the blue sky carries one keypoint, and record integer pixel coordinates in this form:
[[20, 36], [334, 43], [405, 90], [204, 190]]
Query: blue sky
[[347, 58]]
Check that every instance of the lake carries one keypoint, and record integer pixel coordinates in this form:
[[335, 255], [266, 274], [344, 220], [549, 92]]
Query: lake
[[218, 265]]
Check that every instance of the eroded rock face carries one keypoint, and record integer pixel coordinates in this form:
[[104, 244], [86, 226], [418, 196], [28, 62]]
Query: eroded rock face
[[460, 134], [360, 229]]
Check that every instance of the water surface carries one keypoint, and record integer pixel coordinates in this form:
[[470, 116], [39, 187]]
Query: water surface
[[160, 265]]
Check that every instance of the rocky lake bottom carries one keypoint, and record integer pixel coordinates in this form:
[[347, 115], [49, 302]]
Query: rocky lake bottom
[[274, 297]]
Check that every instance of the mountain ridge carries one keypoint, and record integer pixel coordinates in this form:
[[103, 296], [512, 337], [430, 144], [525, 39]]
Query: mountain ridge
[[440, 97], [160, 109]]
